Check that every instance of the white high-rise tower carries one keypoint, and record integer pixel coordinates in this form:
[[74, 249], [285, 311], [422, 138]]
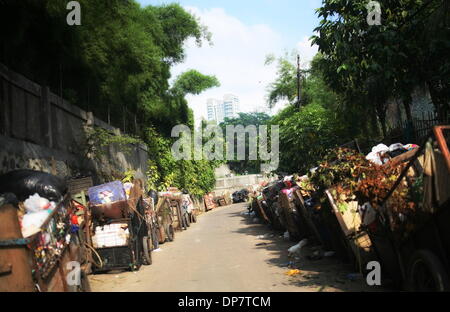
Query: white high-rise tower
[[219, 110]]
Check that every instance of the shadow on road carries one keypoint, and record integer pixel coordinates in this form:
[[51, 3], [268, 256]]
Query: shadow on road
[[320, 275]]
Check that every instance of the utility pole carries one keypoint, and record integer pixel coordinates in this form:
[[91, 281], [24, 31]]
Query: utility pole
[[298, 82]]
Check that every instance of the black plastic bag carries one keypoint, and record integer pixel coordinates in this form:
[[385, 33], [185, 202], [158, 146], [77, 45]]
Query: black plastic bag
[[24, 183], [8, 198]]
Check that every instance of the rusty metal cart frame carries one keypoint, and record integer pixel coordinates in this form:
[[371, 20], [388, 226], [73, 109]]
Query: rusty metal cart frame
[[164, 214], [425, 253], [48, 273], [138, 249]]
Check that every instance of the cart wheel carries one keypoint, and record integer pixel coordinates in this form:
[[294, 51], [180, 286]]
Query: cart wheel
[[193, 218], [426, 273], [187, 217], [85, 286], [162, 235], [170, 233], [136, 257], [156, 238], [146, 250], [184, 222]]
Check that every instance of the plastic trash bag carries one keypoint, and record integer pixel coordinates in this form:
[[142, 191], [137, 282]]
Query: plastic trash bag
[[296, 248], [8, 198], [24, 183], [376, 153], [32, 222], [36, 203]]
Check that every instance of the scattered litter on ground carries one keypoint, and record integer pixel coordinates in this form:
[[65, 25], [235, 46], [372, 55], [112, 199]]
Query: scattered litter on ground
[[157, 250], [261, 244], [296, 248], [255, 220], [288, 264], [293, 272], [267, 235], [329, 254]]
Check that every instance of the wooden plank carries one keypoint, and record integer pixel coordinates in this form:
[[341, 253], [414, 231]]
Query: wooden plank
[[19, 277]]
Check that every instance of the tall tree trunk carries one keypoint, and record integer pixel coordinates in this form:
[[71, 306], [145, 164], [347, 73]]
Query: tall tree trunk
[[410, 132], [407, 100], [374, 123], [383, 125]]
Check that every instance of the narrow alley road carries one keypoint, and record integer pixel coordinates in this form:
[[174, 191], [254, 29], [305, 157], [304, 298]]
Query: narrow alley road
[[223, 251]]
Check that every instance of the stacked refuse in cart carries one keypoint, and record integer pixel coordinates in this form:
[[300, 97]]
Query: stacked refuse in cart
[[40, 230], [118, 226]]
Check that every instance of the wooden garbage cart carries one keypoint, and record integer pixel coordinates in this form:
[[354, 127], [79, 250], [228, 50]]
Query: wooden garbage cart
[[120, 234], [309, 219], [413, 245], [357, 241], [165, 218], [44, 260], [295, 224]]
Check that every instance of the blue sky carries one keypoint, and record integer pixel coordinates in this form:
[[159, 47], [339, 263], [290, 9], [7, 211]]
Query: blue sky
[[243, 33], [294, 19]]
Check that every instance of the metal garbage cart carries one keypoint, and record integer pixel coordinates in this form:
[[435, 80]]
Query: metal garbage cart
[[43, 260], [415, 252], [295, 224], [120, 233], [165, 217], [357, 241]]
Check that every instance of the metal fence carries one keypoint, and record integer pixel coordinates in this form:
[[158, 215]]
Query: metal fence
[[417, 130]]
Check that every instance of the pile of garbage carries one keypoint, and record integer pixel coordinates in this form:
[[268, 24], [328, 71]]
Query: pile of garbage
[[38, 194], [114, 225], [381, 154], [358, 184]]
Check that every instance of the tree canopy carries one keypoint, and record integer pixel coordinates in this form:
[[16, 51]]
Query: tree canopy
[[116, 64]]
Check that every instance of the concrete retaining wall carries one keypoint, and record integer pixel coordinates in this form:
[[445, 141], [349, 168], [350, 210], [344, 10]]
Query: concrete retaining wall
[[40, 130]]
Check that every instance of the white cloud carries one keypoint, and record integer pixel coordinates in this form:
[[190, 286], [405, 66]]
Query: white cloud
[[306, 51], [236, 58]]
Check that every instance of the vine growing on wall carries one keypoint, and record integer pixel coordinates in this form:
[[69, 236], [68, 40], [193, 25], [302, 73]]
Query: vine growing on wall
[[98, 139]]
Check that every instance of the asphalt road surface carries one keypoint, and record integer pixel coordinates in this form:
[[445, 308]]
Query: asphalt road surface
[[224, 252]]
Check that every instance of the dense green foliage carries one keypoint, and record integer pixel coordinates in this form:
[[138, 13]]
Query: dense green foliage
[[245, 119], [193, 82], [358, 69], [370, 64], [195, 176], [116, 64], [305, 134]]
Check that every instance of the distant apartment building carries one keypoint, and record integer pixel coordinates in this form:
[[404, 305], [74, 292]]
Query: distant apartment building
[[213, 107], [230, 106], [219, 110]]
